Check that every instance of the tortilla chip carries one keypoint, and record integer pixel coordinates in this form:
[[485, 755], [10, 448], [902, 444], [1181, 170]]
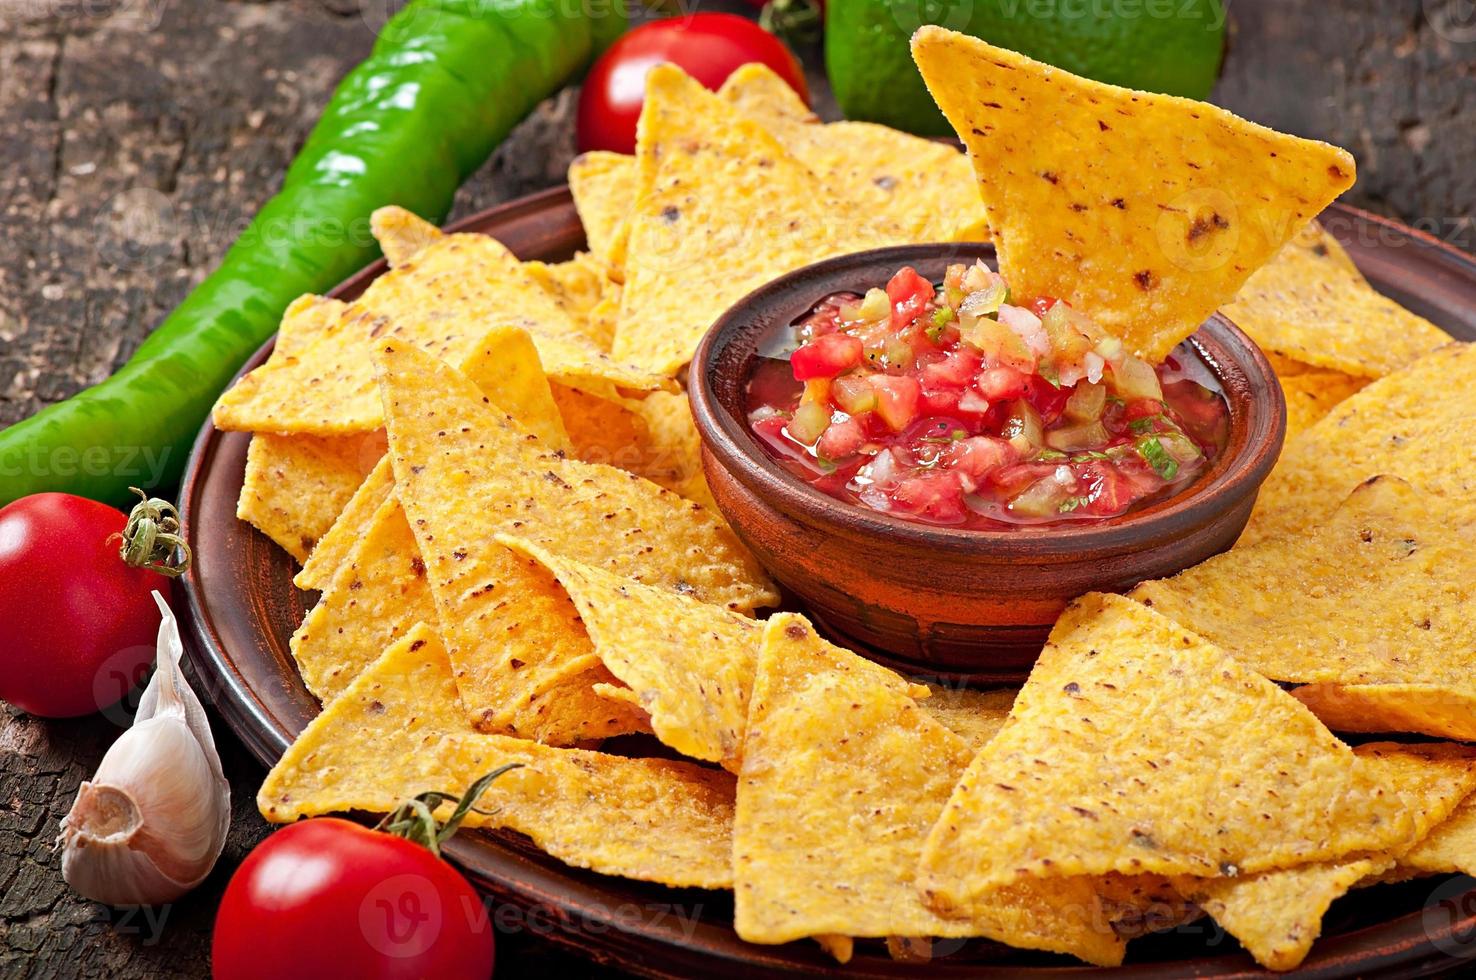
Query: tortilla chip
[[1405, 424], [1277, 915], [688, 665], [398, 730], [1125, 718], [578, 286], [1445, 710], [1448, 849], [602, 430], [459, 460], [1380, 598], [370, 600], [1137, 905], [401, 234], [974, 716], [296, 485], [505, 365], [604, 187], [1309, 303], [926, 187], [443, 300], [1311, 394], [758, 92], [843, 775], [1147, 212], [722, 208]]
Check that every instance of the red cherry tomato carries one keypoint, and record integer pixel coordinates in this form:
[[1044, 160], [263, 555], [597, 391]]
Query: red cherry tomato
[[327, 899], [709, 47], [80, 624]]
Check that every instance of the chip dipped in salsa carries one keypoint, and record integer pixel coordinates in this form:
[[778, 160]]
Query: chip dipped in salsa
[[953, 405]]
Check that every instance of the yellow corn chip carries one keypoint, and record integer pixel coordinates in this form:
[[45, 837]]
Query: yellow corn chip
[[1311, 394], [370, 600], [401, 234], [1147, 212], [672, 454], [759, 93], [723, 208], [843, 775], [1277, 915], [1372, 609], [296, 485], [689, 665], [444, 300], [600, 325], [1309, 303], [974, 716], [1137, 905], [1402, 425], [926, 187], [1446, 709], [602, 430], [459, 460], [578, 286], [398, 730], [1137, 747], [604, 186], [506, 366], [1448, 849]]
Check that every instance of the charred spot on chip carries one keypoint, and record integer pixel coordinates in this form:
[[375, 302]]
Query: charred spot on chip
[[885, 182], [1145, 279], [417, 565], [795, 631], [1336, 172], [1050, 177], [1119, 203], [671, 214], [376, 707], [1202, 225], [1072, 688]]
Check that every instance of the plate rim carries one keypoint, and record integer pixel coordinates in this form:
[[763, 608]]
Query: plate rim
[[1402, 946]]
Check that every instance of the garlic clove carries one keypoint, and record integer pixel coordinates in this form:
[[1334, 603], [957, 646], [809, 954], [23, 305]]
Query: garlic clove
[[152, 822]]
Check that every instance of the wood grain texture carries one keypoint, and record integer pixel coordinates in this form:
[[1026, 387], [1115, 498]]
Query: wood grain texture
[[140, 135]]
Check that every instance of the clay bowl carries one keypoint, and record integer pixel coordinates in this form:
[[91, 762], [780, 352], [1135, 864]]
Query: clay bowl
[[953, 602]]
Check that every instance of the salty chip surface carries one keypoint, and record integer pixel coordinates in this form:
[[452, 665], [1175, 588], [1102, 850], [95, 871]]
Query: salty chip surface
[[1124, 721], [399, 730], [1147, 212]]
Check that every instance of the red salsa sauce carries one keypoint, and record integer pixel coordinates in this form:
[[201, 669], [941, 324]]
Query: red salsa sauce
[[950, 405]]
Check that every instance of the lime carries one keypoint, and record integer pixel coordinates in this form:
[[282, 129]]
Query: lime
[[1169, 46]]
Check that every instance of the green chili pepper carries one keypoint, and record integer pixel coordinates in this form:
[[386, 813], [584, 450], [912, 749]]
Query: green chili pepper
[[446, 81]]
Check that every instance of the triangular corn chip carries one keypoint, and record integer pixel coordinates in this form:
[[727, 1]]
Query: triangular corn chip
[[1448, 849], [1311, 394], [1309, 303], [506, 366], [1147, 212], [401, 234], [444, 300], [925, 187], [974, 716], [1398, 425], [1378, 598], [1137, 747], [723, 208], [398, 730], [688, 664], [604, 187], [296, 485], [1277, 915], [843, 775], [456, 457]]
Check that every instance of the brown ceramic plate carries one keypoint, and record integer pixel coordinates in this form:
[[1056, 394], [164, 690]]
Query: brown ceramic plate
[[241, 608]]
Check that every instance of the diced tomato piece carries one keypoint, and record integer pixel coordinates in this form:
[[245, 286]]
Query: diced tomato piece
[[841, 439], [939, 401], [1047, 399], [1111, 493], [826, 356], [1003, 384], [897, 398], [827, 316], [935, 494], [1012, 479], [910, 294], [978, 456], [1143, 408], [1041, 305], [956, 370]]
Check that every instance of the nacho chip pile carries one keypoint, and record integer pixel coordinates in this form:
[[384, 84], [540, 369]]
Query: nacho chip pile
[[488, 470]]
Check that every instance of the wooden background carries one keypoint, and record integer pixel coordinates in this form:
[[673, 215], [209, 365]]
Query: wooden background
[[138, 136]]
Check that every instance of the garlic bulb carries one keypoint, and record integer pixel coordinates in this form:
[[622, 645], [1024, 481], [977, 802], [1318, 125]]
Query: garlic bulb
[[151, 823]]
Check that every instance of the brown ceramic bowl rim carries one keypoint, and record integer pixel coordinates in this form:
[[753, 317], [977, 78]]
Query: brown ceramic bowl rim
[[1241, 367]]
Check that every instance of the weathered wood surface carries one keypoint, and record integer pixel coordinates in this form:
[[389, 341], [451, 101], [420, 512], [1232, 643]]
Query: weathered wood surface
[[137, 136]]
